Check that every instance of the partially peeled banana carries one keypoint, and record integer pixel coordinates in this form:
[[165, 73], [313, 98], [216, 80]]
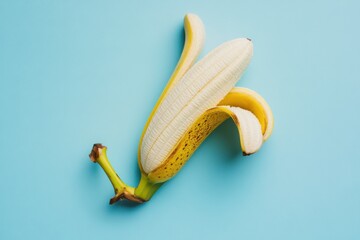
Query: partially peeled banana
[[198, 98]]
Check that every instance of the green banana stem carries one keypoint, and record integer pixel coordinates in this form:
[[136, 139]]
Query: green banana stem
[[146, 188], [142, 193]]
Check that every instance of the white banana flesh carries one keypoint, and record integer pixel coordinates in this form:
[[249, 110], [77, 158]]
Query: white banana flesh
[[201, 88]]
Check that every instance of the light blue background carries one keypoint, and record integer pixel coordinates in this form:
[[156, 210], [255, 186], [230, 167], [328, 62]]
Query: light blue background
[[78, 72]]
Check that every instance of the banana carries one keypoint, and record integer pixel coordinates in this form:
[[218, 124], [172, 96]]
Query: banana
[[197, 99]]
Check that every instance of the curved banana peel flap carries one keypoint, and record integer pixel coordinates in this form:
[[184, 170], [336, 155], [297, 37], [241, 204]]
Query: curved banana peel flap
[[250, 100]]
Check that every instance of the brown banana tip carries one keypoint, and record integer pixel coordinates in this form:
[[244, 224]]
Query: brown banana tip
[[116, 198], [249, 39], [246, 154], [126, 196], [95, 152]]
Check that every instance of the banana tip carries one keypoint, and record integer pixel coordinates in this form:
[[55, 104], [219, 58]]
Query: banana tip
[[95, 152], [246, 154], [126, 196]]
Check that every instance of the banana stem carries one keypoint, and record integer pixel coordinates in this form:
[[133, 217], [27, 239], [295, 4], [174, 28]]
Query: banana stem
[[140, 194]]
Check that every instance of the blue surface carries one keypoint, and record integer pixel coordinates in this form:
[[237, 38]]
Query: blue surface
[[78, 72]]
